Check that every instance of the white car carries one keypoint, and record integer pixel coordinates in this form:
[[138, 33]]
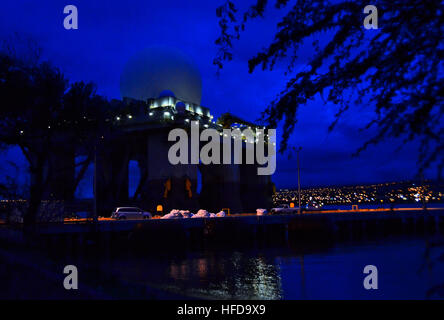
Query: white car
[[284, 209], [134, 213]]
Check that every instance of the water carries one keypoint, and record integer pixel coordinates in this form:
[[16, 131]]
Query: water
[[382, 205], [329, 272]]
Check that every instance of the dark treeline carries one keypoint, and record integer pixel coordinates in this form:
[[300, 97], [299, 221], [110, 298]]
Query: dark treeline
[[44, 114]]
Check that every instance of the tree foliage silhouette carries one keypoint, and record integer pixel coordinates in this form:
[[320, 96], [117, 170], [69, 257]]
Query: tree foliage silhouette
[[42, 114], [396, 68]]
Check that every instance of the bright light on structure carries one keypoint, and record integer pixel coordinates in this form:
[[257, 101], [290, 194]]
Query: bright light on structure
[[130, 116], [159, 208]]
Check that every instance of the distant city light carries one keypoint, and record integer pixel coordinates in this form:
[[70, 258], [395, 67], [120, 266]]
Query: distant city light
[[369, 194]]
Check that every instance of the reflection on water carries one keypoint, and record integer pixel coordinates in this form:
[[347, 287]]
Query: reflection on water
[[328, 273], [234, 275]]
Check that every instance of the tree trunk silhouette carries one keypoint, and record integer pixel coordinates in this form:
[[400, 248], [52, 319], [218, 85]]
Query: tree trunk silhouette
[[36, 191]]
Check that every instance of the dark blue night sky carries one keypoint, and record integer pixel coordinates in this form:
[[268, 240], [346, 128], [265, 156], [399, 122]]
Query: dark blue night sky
[[112, 31]]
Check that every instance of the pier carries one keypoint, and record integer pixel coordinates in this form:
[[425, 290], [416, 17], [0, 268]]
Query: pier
[[338, 225]]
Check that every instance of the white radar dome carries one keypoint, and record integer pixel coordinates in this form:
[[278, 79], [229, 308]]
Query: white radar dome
[[156, 70]]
